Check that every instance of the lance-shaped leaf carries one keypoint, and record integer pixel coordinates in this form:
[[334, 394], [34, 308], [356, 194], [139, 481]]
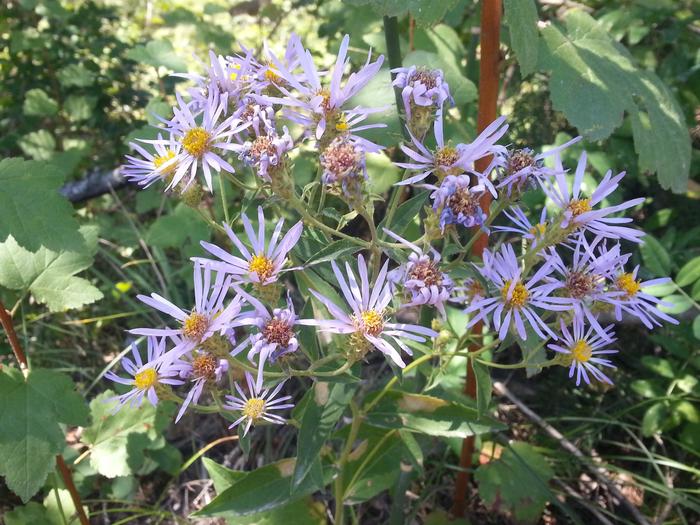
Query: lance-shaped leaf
[[30, 435], [429, 415]]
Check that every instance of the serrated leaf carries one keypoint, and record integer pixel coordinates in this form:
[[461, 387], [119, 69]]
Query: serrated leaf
[[117, 440], [689, 273], [39, 145], [76, 75], [32, 512], [157, 53], [517, 482], [655, 256], [521, 18], [38, 103], [429, 415], [594, 82], [79, 107], [50, 275], [322, 413], [27, 187], [30, 435], [426, 12]]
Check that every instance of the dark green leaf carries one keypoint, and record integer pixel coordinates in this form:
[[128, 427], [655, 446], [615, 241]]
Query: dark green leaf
[[319, 419], [30, 435], [79, 107], [157, 53], [76, 75], [521, 19], [333, 251], [426, 12], [405, 214], [483, 386], [655, 256]]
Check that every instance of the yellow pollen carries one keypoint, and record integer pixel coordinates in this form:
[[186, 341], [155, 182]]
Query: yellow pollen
[[262, 266], [446, 156], [195, 326], [272, 75], [234, 74], [538, 229], [579, 206], [196, 141], [581, 351], [518, 297], [371, 322], [146, 379], [342, 124], [627, 283], [159, 160], [204, 366], [254, 408]]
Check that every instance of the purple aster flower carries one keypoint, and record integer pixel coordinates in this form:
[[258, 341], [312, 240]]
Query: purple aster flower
[[367, 324], [523, 227], [203, 136], [259, 404], [344, 168], [260, 117], [457, 202], [152, 167], [582, 346], [266, 152], [421, 277], [311, 104], [275, 334], [421, 87], [208, 317], [522, 168], [629, 297], [145, 376], [585, 277], [260, 265], [200, 369], [578, 211], [516, 300], [452, 160]]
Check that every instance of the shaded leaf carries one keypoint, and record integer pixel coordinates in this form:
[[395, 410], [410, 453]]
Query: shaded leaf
[[689, 273], [38, 103], [157, 53], [655, 256], [521, 18]]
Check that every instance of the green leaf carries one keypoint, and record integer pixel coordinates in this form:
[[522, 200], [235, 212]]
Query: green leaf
[[27, 185], [689, 273], [463, 90], [118, 440], [516, 482], [676, 304], [660, 290], [261, 490], [157, 53], [429, 415], [79, 107], [655, 256], [382, 173], [425, 12], [648, 388], [222, 477], [405, 214], [175, 228], [333, 252], [521, 18], [49, 275], [38, 103], [319, 419], [76, 75], [32, 512], [594, 82], [483, 387], [696, 327], [39, 145], [30, 435], [654, 419]]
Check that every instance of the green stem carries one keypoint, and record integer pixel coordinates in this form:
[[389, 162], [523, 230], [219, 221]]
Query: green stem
[[222, 189], [299, 207], [393, 51], [523, 364], [338, 488]]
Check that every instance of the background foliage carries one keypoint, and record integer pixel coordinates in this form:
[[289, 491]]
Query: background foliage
[[80, 79]]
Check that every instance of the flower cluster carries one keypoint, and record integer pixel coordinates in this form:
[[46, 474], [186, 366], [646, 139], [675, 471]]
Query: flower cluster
[[556, 279]]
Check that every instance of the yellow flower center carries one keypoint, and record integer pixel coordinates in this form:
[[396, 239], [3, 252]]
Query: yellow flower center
[[254, 408], [518, 297], [446, 156], [159, 160], [581, 351], [272, 75], [195, 326], [196, 141], [342, 124], [234, 74], [146, 379], [370, 322], [579, 206], [627, 283], [262, 266], [538, 229]]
